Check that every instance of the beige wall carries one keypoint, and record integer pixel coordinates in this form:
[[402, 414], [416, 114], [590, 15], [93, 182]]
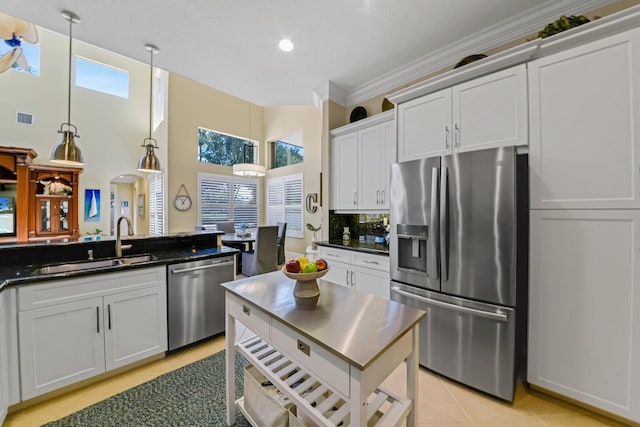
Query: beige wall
[[281, 122], [111, 129], [192, 105]]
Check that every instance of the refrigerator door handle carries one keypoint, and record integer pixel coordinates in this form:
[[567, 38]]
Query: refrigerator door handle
[[444, 222], [433, 266], [468, 310]]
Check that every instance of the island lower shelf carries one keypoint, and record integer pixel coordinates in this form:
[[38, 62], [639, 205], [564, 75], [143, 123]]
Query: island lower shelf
[[324, 405]]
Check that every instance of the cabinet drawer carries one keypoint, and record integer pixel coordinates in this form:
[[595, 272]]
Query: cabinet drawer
[[334, 254], [378, 262], [250, 316], [329, 367]]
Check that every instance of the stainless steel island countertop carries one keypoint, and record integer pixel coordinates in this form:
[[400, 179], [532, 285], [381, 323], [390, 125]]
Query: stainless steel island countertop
[[356, 326]]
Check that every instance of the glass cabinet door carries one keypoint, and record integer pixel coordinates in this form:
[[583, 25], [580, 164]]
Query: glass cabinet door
[[45, 215], [64, 216]]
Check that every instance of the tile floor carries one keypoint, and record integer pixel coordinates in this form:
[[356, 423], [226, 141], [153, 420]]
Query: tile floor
[[442, 402]]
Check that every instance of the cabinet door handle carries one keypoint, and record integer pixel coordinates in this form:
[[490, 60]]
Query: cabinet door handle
[[377, 197], [352, 282], [456, 134], [333, 255], [109, 315], [346, 277], [98, 319], [370, 262], [382, 200], [446, 137], [355, 197]]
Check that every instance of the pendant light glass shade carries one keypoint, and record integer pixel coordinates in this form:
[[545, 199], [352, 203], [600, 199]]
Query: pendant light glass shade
[[249, 169], [149, 161], [67, 152]]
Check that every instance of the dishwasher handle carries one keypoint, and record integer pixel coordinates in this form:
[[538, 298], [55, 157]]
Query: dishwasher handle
[[203, 267], [468, 310]]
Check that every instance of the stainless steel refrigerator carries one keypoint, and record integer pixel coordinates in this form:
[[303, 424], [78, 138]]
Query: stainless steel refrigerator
[[458, 248]]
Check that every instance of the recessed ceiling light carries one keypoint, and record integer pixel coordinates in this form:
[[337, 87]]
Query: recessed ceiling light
[[285, 45]]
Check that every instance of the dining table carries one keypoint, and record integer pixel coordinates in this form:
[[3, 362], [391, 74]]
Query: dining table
[[243, 243]]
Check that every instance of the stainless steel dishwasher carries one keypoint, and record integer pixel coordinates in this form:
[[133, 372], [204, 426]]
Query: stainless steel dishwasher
[[195, 299]]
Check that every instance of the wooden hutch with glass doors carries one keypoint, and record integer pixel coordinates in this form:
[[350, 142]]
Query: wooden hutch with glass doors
[[37, 202]]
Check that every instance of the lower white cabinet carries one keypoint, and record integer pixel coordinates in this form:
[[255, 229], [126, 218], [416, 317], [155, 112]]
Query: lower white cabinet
[[365, 272], [4, 369], [584, 307], [74, 329]]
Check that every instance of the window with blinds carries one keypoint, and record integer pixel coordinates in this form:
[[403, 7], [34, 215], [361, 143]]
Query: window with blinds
[[285, 203], [156, 205], [227, 198]]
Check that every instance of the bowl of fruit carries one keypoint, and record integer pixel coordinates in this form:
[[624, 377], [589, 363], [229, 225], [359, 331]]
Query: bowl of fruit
[[305, 273]]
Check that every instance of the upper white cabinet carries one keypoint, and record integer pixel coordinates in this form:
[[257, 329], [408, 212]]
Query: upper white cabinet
[[486, 112], [584, 105], [362, 154], [74, 329], [584, 306]]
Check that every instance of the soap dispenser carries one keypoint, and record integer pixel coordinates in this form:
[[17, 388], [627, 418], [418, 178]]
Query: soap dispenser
[[346, 235]]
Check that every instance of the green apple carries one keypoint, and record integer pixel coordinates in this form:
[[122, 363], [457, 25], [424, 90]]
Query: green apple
[[310, 268]]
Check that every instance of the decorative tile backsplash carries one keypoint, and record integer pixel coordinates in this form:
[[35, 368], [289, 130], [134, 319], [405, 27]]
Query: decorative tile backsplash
[[365, 225]]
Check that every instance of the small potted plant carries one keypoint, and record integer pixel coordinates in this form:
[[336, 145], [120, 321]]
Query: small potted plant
[[95, 234], [314, 241]]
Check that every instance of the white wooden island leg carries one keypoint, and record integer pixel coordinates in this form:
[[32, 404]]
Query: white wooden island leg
[[230, 339], [413, 380]]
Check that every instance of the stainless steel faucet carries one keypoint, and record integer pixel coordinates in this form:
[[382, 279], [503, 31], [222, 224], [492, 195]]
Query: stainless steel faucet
[[119, 246]]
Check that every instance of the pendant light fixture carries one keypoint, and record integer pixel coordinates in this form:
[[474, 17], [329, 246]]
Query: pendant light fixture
[[149, 161], [248, 169], [67, 152]]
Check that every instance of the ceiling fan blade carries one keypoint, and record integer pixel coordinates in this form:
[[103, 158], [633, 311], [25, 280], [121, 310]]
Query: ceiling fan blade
[[8, 59], [22, 60], [27, 31], [6, 32]]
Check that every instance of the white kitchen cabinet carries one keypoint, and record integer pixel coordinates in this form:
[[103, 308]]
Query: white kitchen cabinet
[[362, 271], [362, 155], [136, 325], [4, 368], [584, 296], [584, 105], [74, 329], [486, 112]]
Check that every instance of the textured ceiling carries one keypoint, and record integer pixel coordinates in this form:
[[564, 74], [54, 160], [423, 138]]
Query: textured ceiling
[[232, 45]]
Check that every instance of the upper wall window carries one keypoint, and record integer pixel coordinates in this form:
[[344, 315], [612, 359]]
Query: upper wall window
[[102, 78], [222, 149], [30, 57], [287, 151]]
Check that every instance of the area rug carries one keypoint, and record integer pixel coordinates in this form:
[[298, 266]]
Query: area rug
[[193, 395]]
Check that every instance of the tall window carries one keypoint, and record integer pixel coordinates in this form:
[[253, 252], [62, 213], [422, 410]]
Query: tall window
[[227, 198], [102, 78], [222, 149], [156, 205], [285, 203]]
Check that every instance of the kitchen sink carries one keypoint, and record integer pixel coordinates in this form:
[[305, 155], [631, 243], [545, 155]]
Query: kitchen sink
[[93, 264]]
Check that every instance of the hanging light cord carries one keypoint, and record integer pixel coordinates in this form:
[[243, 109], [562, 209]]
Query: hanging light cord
[[151, 91], [69, 85]]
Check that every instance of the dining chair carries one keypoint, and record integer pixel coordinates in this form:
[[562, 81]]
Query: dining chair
[[226, 226], [282, 232], [264, 257]]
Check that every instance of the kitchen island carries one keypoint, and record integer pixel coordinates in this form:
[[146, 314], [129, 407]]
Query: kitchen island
[[329, 358]]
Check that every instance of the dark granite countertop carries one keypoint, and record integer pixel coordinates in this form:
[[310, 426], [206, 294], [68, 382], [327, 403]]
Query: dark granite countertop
[[357, 245], [19, 268]]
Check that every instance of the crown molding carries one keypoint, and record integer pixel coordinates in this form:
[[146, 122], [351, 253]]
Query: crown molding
[[497, 35], [329, 91], [364, 123]]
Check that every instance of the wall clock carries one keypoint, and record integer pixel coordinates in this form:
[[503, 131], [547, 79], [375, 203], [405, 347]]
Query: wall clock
[[182, 202]]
